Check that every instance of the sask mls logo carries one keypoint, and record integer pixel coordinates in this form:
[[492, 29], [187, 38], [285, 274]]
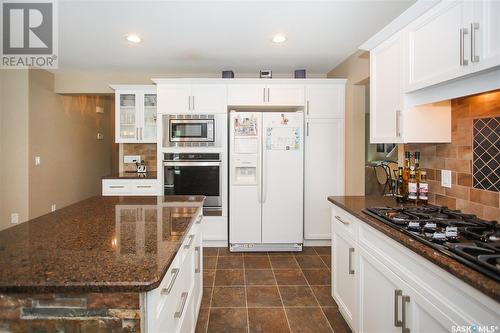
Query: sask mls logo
[[28, 34]]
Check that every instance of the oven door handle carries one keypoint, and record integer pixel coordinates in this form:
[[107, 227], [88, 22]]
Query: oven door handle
[[202, 164]]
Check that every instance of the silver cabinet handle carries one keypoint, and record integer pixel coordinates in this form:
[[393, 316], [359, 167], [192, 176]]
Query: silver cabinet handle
[[351, 270], [264, 94], [188, 245], [198, 221], [166, 291], [116, 186], [463, 61], [398, 123], [189, 103], [182, 304], [194, 107], [397, 293], [198, 260], [307, 129], [268, 94], [307, 107], [137, 133], [473, 27], [143, 186], [344, 222], [404, 300]]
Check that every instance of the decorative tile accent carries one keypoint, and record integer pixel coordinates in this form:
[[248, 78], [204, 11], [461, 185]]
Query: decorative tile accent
[[486, 154]]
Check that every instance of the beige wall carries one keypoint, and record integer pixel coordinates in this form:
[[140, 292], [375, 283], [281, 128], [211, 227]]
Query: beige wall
[[356, 69], [63, 132], [13, 145]]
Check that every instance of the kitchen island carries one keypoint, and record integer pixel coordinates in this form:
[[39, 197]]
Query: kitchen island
[[104, 264], [384, 280]]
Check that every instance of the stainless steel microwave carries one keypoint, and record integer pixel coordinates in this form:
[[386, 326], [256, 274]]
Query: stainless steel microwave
[[191, 130]]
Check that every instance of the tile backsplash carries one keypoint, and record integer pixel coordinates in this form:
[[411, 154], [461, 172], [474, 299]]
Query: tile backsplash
[[147, 152], [462, 156]]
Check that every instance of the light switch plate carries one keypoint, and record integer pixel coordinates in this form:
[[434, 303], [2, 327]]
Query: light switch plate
[[14, 218], [446, 178], [131, 158], [38, 160]]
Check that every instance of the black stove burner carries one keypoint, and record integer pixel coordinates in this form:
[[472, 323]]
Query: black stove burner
[[464, 237]]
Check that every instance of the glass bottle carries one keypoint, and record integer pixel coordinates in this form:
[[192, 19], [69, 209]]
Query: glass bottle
[[406, 172], [417, 166], [412, 187], [400, 193], [423, 188]]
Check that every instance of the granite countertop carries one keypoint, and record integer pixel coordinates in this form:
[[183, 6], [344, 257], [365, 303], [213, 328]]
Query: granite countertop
[[132, 175], [102, 244], [354, 205]]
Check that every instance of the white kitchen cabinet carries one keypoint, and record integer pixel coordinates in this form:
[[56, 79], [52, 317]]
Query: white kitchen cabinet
[[486, 28], [438, 44], [127, 187], [386, 97], [344, 276], [135, 114], [396, 289], [323, 173], [265, 94], [192, 98], [324, 100]]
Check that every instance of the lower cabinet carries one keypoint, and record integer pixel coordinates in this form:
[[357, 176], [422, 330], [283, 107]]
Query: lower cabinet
[[381, 286], [175, 304], [130, 187]]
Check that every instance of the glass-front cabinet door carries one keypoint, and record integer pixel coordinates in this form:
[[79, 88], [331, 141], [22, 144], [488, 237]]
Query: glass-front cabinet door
[[148, 131], [127, 129]]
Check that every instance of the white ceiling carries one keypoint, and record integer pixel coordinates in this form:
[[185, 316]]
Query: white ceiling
[[209, 36]]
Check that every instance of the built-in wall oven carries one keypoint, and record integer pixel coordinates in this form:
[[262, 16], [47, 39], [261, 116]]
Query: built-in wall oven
[[192, 130], [194, 174]]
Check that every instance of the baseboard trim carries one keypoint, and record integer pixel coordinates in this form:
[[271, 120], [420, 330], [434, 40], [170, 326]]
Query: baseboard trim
[[317, 242], [214, 243]]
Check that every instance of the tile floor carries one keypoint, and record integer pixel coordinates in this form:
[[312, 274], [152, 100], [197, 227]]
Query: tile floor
[[268, 292]]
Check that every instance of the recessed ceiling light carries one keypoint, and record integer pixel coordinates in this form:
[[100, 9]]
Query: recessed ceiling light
[[279, 39], [133, 38]]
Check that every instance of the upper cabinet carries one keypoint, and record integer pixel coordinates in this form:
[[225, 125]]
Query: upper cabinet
[[135, 114], [324, 100], [265, 94], [192, 98], [453, 39]]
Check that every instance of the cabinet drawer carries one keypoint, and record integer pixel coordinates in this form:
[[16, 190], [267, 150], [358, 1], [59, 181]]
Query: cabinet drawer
[[129, 187], [343, 223]]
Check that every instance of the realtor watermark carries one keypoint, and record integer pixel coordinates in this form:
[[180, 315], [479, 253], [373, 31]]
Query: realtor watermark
[[474, 328], [29, 34]]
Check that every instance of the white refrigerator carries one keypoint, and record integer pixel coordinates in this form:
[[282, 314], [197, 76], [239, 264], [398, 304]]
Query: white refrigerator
[[266, 185]]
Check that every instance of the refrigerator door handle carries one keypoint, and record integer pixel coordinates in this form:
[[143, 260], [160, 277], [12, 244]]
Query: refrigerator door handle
[[264, 174]]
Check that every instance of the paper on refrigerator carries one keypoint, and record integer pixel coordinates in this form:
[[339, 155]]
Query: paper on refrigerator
[[283, 138]]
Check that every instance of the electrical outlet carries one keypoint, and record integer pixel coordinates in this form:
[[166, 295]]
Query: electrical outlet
[[446, 178], [53, 207], [100, 136], [38, 160], [14, 218], [131, 158], [99, 109]]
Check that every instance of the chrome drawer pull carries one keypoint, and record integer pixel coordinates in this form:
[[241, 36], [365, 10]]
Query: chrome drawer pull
[[351, 251], [198, 221], [344, 222], [143, 186], [166, 291], [188, 245], [405, 299], [397, 293], [198, 260], [116, 186], [180, 310]]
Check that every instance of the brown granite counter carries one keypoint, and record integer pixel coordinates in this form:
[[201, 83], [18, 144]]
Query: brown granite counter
[[355, 204], [132, 175], [102, 244]]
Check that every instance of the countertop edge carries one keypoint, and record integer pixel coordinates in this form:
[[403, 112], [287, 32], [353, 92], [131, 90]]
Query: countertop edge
[[465, 274]]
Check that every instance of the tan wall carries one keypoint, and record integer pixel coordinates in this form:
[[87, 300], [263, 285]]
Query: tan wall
[[457, 156], [356, 69], [13, 145], [63, 132]]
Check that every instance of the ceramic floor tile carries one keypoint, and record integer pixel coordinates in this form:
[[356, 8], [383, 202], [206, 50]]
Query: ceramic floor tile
[[306, 251], [259, 277], [297, 296], [263, 296], [229, 277], [230, 262], [209, 262], [327, 260], [317, 276], [224, 252], [323, 250], [207, 296], [201, 325], [307, 320], [228, 297], [227, 320], [336, 320], [210, 251], [324, 295], [257, 263], [255, 254], [208, 277], [310, 262], [283, 262], [289, 277], [270, 320]]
